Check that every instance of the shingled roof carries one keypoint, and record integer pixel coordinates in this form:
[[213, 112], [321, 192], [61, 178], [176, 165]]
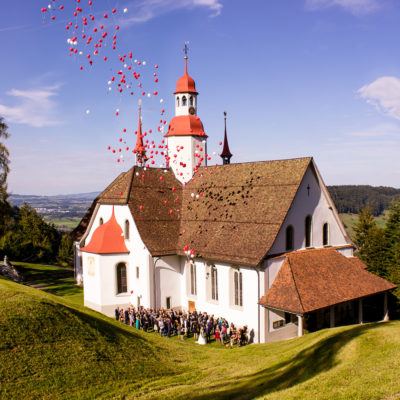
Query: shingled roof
[[229, 213], [309, 280]]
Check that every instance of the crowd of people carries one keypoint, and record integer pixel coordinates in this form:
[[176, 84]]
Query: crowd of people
[[203, 327]]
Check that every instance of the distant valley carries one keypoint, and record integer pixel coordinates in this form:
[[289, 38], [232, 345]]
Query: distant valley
[[64, 211]]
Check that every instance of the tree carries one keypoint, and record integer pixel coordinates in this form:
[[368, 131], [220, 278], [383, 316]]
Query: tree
[[65, 251], [4, 169], [392, 233], [31, 238], [372, 243]]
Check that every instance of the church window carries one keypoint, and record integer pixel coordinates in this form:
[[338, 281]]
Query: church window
[[168, 303], [325, 234], [184, 100], [238, 288], [289, 238], [127, 229], [177, 102], [308, 229], [121, 278], [193, 283], [191, 100], [101, 222], [214, 283]]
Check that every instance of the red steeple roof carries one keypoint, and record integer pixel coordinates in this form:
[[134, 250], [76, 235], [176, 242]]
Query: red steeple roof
[[185, 83], [226, 154], [185, 125], [107, 239], [139, 142]]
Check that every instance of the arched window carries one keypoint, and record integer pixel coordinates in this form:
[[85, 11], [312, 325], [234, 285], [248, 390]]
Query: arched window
[[126, 229], [184, 100], [193, 283], [101, 222], [289, 238], [177, 101], [214, 283], [191, 100], [308, 229], [121, 278], [325, 234], [238, 288]]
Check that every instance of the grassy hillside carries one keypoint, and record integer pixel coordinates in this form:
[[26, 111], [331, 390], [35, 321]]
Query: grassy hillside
[[51, 349]]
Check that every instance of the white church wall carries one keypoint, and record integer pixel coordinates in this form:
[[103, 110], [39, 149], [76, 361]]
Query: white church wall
[[92, 281], [346, 251], [247, 314], [185, 155], [309, 200], [273, 267], [110, 297], [168, 281]]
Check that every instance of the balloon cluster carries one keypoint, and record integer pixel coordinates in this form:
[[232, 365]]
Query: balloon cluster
[[92, 38]]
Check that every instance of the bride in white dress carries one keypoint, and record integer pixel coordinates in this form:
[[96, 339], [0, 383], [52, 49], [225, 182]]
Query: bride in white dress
[[202, 339]]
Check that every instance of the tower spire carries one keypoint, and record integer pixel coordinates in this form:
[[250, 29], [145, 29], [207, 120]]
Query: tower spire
[[226, 154], [139, 149]]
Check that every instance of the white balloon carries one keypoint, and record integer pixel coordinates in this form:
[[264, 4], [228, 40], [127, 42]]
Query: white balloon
[[125, 10], [88, 111], [161, 100], [144, 62]]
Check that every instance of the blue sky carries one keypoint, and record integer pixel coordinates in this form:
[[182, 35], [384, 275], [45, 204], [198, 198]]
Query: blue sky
[[297, 78]]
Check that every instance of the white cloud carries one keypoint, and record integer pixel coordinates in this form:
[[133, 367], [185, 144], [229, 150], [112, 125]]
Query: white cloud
[[145, 10], [356, 7], [384, 94], [36, 107]]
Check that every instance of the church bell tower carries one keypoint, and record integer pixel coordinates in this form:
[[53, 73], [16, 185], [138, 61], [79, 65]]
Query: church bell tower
[[186, 139]]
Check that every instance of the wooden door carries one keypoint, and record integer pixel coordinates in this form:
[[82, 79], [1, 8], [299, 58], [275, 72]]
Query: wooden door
[[192, 306]]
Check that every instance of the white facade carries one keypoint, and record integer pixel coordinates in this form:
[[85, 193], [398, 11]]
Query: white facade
[[186, 152], [185, 104]]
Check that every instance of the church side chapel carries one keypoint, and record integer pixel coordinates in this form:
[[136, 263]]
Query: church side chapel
[[259, 243]]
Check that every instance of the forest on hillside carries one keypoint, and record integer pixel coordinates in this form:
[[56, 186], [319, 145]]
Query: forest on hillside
[[354, 198]]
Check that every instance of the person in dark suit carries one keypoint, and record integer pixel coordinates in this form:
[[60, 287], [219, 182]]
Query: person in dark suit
[[169, 327], [126, 317], [117, 314]]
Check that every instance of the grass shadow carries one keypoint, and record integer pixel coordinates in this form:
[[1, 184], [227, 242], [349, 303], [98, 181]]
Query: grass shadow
[[310, 362]]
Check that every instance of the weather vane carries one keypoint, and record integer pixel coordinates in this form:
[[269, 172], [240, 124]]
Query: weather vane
[[186, 49]]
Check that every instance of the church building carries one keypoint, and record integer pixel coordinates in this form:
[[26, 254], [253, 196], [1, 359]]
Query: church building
[[259, 243]]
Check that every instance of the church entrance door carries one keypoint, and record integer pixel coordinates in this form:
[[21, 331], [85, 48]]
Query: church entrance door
[[192, 306]]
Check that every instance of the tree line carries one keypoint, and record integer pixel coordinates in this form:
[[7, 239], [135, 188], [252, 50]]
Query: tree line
[[24, 234], [354, 198], [379, 248]]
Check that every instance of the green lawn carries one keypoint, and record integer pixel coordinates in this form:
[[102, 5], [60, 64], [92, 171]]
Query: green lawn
[[53, 279], [54, 349], [349, 220], [66, 224]]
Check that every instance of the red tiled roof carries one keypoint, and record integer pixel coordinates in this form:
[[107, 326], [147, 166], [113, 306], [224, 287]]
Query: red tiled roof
[[185, 83], [108, 238], [236, 202], [309, 280], [185, 125]]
